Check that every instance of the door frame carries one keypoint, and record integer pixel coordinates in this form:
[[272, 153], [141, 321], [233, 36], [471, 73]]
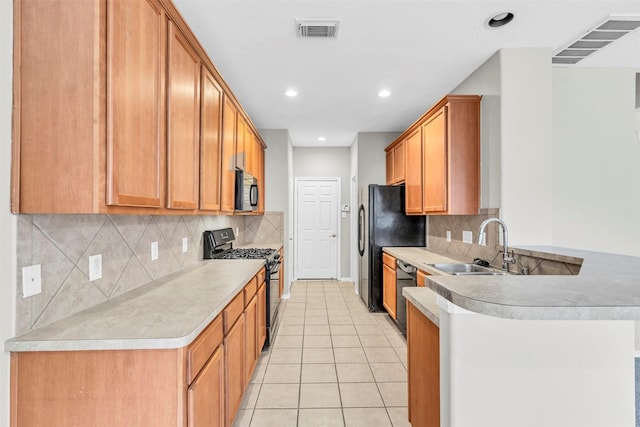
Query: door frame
[[294, 251]]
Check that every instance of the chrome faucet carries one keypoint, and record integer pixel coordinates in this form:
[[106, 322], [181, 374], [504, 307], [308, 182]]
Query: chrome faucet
[[506, 259]]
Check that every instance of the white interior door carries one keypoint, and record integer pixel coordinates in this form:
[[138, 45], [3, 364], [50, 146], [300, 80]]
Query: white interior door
[[317, 229]]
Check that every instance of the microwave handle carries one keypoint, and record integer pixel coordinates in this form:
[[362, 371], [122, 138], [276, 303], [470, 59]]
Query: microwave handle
[[253, 195]]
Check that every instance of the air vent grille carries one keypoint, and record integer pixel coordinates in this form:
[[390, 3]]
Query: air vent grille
[[595, 39], [316, 28]]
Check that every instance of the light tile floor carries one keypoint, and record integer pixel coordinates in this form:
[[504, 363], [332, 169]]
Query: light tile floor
[[332, 364]]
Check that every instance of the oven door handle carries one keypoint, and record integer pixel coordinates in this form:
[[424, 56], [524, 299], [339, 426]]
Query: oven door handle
[[275, 267]]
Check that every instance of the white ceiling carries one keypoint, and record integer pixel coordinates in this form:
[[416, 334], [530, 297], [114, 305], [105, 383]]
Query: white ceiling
[[419, 50]]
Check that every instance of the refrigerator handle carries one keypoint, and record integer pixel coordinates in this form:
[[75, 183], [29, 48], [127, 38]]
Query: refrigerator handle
[[361, 229]]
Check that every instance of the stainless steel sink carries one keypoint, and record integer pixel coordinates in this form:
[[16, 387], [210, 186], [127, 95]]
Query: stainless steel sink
[[461, 269]]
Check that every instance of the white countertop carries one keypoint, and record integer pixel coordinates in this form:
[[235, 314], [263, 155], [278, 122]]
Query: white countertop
[[607, 288], [166, 313]]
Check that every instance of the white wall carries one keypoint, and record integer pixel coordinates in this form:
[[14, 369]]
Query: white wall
[[485, 81], [7, 220], [330, 162], [277, 171], [526, 144], [596, 160]]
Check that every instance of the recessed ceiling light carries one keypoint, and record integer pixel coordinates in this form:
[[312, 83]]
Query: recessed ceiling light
[[322, 139], [500, 19], [384, 93], [291, 93]]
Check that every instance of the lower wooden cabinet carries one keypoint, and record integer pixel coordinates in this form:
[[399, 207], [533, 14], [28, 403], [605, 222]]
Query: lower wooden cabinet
[[205, 397], [201, 384], [423, 357], [389, 296], [262, 316], [250, 338]]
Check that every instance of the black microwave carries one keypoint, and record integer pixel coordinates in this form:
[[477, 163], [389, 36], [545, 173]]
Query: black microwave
[[246, 191]]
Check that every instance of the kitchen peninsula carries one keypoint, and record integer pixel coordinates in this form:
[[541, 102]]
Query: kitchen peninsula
[[532, 350]]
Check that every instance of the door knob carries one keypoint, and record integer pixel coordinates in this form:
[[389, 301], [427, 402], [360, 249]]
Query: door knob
[[332, 235]]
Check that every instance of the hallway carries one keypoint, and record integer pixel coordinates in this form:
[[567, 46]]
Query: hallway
[[333, 364]]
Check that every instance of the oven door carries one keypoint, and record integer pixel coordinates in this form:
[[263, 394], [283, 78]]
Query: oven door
[[273, 301]]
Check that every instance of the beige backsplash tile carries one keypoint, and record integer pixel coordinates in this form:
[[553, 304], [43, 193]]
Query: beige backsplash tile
[[62, 245]]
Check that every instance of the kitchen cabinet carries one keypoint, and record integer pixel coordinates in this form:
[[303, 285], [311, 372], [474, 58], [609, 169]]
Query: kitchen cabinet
[[421, 278], [242, 135], [442, 158], [262, 311], [136, 45], [198, 385], [210, 142], [389, 296], [183, 123], [107, 100], [395, 163], [228, 174], [234, 361], [251, 328], [413, 172], [423, 359], [205, 377]]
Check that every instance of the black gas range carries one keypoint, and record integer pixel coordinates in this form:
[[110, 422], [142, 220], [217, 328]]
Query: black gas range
[[218, 244]]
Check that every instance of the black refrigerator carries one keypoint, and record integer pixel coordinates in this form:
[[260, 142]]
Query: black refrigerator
[[385, 225]]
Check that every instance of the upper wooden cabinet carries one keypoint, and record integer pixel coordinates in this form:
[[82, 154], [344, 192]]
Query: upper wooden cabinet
[[183, 123], [395, 163], [442, 158], [210, 142], [109, 111], [136, 49], [228, 169], [413, 172]]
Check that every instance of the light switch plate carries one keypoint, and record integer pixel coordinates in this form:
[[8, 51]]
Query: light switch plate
[[185, 245], [95, 267], [31, 280], [467, 237], [448, 235], [154, 251]]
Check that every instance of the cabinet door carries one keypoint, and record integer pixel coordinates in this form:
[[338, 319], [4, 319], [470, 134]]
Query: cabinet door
[[434, 136], [262, 317], [251, 338], [423, 357], [261, 182], [205, 397], [234, 369], [136, 45], [241, 135], [389, 290], [183, 122], [210, 144], [413, 172], [389, 167], [398, 163], [228, 177]]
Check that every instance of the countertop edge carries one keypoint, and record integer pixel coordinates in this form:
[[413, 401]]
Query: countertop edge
[[20, 344], [434, 317]]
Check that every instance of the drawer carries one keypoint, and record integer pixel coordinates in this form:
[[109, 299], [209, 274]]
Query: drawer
[[233, 311], [389, 260], [203, 347], [250, 290], [262, 275], [421, 277]]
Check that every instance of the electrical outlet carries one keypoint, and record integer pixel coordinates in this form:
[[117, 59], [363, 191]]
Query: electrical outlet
[[95, 267], [31, 280], [467, 237], [154, 251], [448, 235], [185, 245]]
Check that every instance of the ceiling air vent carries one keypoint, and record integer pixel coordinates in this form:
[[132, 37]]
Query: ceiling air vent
[[317, 28], [595, 39]]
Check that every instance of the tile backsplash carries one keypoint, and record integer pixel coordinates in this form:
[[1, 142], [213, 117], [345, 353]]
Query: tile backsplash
[[62, 244], [533, 263]]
